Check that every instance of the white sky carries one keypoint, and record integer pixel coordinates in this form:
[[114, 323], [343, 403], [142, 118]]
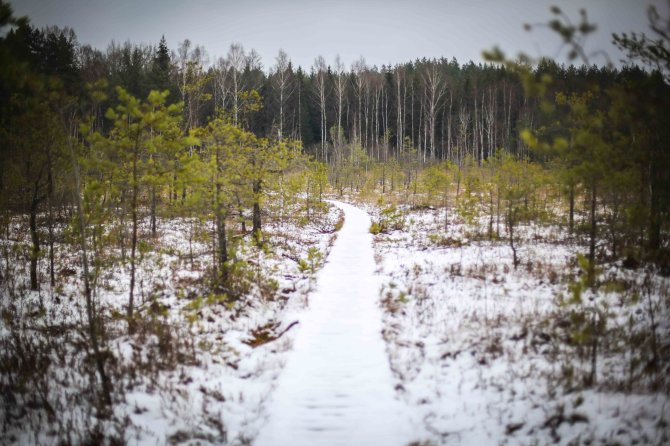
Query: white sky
[[383, 31]]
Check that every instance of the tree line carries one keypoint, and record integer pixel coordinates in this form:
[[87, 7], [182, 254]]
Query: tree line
[[347, 117], [443, 109], [421, 111]]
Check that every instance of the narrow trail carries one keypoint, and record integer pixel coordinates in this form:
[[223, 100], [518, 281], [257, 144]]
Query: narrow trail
[[337, 388]]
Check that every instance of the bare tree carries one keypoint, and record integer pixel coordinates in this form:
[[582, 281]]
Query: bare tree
[[253, 61], [340, 89], [490, 117], [463, 127], [359, 67], [320, 76], [236, 62], [433, 93], [401, 93], [283, 86], [222, 83], [449, 125], [192, 81], [377, 89], [182, 69]]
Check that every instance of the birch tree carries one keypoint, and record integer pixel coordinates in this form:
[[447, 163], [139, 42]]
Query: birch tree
[[283, 86], [236, 61], [358, 68], [433, 93], [192, 81], [401, 93], [320, 72], [222, 84], [340, 90]]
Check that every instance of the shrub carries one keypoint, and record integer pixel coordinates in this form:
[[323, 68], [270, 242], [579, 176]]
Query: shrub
[[390, 219]]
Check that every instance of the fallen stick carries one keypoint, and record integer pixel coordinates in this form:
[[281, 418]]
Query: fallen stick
[[263, 337]]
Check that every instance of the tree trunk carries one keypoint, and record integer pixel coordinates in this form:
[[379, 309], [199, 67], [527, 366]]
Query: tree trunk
[[510, 225], [221, 227], [35, 238], [511, 243], [498, 211], [50, 188], [256, 220], [592, 236], [52, 261], [133, 246], [594, 348], [173, 195], [654, 211], [281, 111], [571, 198], [106, 396], [491, 214], [223, 247], [446, 208], [240, 213], [153, 211], [122, 230]]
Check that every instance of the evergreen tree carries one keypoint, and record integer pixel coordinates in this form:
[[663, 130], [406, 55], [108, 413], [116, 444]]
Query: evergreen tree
[[142, 131], [160, 76]]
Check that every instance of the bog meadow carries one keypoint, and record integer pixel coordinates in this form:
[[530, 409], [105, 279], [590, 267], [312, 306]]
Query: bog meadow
[[226, 250]]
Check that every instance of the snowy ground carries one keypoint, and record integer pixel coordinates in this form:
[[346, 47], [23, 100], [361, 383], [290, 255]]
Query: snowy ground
[[337, 388], [477, 352], [485, 354], [198, 370]]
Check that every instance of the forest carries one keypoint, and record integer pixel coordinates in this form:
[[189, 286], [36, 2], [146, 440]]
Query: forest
[[164, 215]]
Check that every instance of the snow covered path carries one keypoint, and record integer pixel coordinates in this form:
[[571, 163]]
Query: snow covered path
[[337, 388]]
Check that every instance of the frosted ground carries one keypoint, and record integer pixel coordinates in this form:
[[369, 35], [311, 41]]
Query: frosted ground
[[487, 354], [198, 370], [478, 352]]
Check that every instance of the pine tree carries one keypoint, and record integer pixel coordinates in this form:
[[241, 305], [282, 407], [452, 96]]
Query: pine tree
[[161, 71], [143, 131]]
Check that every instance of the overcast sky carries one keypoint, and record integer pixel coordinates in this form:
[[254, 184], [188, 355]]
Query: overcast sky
[[383, 31]]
